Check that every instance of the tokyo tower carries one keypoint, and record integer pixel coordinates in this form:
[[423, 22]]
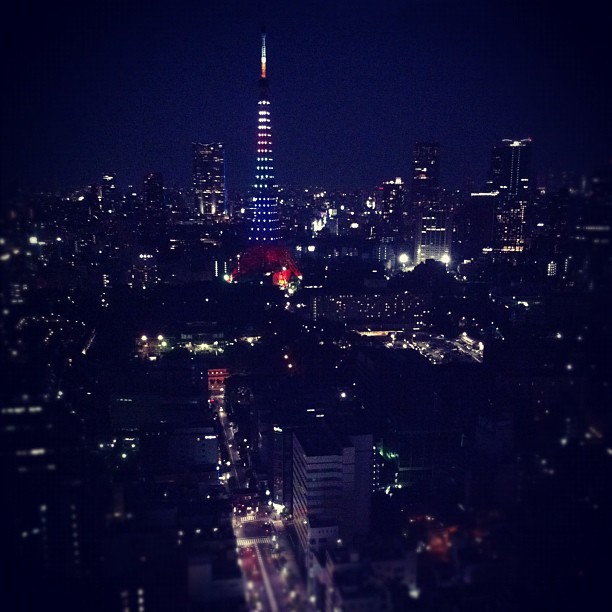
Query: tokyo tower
[[267, 256]]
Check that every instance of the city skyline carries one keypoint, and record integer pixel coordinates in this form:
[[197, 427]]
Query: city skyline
[[379, 393], [110, 88]]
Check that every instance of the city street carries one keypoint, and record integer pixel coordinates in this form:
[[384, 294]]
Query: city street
[[236, 467], [269, 567], [271, 574]]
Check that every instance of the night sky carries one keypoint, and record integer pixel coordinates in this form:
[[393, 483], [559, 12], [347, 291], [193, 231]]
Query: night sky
[[126, 87]]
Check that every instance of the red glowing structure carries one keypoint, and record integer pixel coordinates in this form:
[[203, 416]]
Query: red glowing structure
[[268, 260]]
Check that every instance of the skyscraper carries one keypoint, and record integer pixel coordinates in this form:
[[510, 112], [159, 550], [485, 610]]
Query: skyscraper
[[426, 170], [209, 178], [511, 166], [430, 215], [153, 192], [510, 176]]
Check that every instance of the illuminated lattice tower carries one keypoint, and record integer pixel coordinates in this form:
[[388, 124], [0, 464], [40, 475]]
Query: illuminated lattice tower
[[265, 222], [266, 257]]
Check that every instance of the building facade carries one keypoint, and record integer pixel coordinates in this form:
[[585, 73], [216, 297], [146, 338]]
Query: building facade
[[430, 215], [510, 176], [332, 486], [209, 178]]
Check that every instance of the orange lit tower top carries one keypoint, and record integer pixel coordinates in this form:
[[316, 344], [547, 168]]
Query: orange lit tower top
[[263, 53]]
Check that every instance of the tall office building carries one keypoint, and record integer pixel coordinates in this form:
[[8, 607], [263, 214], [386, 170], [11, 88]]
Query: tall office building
[[389, 207], [510, 176], [332, 486], [332, 492], [153, 193], [153, 219], [430, 215], [209, 178], [474, 224]]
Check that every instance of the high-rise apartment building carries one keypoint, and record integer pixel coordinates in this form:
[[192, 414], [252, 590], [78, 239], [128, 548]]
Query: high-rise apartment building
[[388, 204], [430, 218], [510, 176], [425, 171], [332, 491], [209, 178], [332, 485], [510, 170]]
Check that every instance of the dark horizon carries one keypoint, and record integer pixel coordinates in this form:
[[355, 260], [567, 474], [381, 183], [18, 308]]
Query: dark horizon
[[127, 89]]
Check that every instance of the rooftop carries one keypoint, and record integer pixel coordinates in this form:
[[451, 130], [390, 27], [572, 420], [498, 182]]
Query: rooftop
[[318, 441]]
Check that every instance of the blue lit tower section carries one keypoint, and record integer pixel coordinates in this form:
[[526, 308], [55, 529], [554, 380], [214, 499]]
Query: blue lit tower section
[[265, 224]]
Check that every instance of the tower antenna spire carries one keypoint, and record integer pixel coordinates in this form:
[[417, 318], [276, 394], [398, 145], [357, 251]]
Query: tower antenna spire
[[263, 52]]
